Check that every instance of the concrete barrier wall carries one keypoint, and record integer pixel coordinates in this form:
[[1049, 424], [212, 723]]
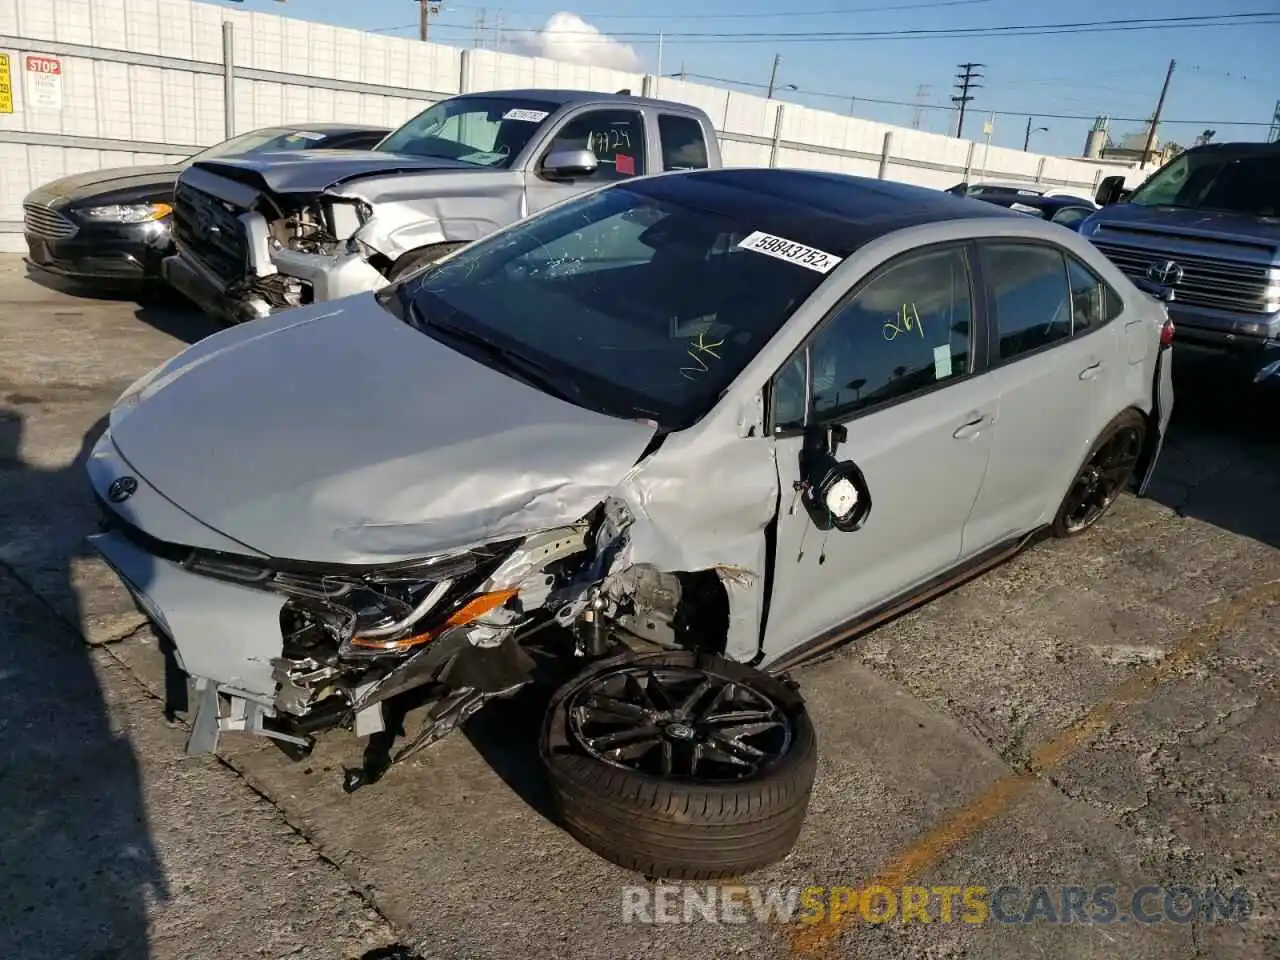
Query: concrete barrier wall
[[143, 83]]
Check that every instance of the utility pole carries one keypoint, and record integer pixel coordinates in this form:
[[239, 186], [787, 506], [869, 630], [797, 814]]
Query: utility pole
[[426, 10], [917, 113], [659, 53], [966, 77], [1026, 140], [773, 76], [477, 30], [1155, 117]]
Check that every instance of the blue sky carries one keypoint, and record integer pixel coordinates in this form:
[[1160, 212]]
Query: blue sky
[[1223, 73]]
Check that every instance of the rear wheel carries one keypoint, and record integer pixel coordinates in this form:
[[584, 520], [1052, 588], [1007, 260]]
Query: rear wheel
[[416, 259], [680, 765], [1106, 471]]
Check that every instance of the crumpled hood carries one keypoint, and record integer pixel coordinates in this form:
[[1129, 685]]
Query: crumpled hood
[[337, 433], [1210, 224], [312, 171]]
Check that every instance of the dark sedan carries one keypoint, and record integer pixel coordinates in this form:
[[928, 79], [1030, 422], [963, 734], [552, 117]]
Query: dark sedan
[[1062, 209], [113, 225]]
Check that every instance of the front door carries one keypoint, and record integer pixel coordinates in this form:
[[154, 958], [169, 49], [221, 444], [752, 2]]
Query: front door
[[898, 364], [615, 136]]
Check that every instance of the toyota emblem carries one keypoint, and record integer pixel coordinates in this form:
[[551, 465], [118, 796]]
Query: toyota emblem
[[1167, 274], [121, 489]]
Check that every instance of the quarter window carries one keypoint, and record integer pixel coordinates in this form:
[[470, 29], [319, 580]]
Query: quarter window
[[1093, 303], [616, 137], [905, 331], [683, 145], [1033, 304]]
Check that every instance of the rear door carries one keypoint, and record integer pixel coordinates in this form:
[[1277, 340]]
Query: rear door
[[1054, 355]]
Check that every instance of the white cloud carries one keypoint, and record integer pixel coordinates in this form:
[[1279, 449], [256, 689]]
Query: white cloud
[[566, 36]]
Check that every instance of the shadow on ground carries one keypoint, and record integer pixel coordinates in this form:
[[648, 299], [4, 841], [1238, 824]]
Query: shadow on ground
[[1221, 463], [76, 852], [157, 304]]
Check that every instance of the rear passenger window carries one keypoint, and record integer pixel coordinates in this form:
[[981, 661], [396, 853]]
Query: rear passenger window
[[683, 145], [1093, 303], [1033, 303]]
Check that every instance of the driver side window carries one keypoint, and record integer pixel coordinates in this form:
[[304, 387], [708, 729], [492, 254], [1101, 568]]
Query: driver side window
[[902, 333], [616, 137]]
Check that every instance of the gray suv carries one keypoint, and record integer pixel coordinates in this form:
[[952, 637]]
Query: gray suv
[[665, 442]]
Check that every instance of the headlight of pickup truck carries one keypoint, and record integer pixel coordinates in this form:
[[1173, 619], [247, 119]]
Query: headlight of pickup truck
[[127, 212]]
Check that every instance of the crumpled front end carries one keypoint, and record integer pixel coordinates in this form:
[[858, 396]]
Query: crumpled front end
[[247, 250]]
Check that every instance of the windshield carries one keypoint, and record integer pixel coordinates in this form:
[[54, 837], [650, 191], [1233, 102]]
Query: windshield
[[486, 131], [263, 141], [635, 303], [1212, 180]]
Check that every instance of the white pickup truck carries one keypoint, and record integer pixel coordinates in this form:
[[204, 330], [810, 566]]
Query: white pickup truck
[[256, 235]]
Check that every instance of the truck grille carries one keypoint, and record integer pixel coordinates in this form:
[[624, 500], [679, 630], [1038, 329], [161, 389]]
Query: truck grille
[[211, 231], [46, 223], [1214, 282]]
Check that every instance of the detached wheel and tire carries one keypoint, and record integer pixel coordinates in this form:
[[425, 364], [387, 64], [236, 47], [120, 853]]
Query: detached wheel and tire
[[416, 259], [1105, 473], [680, 765]]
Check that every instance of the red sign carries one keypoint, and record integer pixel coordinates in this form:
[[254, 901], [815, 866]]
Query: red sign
[[47, 65], [624, 164]]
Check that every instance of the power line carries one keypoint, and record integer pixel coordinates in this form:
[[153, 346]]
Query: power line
[[760, 15], [990, 32], [1040, 114]]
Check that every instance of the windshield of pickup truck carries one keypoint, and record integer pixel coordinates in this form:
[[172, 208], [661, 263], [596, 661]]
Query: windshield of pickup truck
[[1212, 180], [486, 131], [640, 301]]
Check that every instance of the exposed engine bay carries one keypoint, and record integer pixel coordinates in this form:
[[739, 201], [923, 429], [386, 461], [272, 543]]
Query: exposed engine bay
[[267, 251], [451, 633]]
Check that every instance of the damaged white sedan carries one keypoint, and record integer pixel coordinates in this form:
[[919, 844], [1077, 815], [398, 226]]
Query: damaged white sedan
[[685, 432]]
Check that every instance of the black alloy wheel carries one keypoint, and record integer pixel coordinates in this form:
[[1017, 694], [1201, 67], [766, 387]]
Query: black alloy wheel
[[1106, 472], [679, 764]]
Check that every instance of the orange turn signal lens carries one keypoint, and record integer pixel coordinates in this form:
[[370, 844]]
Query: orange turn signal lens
[[473, 609]]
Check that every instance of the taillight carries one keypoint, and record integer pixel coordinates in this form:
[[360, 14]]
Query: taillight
[[1166, 334]]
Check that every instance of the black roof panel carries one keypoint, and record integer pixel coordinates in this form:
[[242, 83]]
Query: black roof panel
[[836, 212]]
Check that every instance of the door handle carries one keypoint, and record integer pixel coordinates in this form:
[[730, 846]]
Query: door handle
[[969, 430], [1091, 371]]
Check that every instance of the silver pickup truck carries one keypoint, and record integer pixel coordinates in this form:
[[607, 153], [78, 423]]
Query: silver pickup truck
[[1203, 234], [257, 235]]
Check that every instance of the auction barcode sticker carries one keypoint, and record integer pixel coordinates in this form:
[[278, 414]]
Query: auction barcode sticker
[[531, 116], [797, 253]]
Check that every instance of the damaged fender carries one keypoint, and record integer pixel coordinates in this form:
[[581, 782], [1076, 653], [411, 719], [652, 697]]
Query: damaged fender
[[739, 477]]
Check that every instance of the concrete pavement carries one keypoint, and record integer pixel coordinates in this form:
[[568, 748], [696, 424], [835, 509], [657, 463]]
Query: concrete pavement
[[1102, 710]]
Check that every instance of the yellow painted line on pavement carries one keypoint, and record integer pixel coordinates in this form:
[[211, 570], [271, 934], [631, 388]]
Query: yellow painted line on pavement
[[816, 939]]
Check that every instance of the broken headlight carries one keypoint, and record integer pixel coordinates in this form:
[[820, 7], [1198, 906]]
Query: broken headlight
[[379, 611]]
